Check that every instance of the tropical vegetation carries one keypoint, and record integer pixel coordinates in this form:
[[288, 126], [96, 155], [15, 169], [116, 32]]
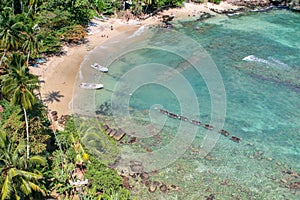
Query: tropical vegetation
[[35, 161]]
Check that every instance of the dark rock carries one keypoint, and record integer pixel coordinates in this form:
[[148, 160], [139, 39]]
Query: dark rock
[[210, 197], [132, 140], [145, 175], [163, 188], [250, 3], [167, 18], [125, 182], [204, 16], [147, 183], [55, 118], [156, 183], [136, 168], [60, 121]]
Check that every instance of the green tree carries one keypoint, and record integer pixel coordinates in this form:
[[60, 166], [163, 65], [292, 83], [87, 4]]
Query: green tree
[[18, 86], [10, 29], [19, 175]]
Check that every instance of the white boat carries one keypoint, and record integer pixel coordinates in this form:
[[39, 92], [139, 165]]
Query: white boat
[[99, 67], [91, 86]]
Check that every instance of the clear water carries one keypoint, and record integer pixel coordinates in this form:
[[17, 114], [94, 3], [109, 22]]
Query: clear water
[[254, 59]]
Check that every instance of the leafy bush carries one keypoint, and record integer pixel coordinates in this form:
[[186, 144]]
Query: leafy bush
[[105, 181], [73, 33]]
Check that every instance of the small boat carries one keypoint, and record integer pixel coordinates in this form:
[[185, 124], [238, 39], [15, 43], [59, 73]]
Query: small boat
[[224, 132], [172, 115], [198, 123], [163, 111], [208, 126], [235, 139], [183, 118], [99, 67], [91, 86]]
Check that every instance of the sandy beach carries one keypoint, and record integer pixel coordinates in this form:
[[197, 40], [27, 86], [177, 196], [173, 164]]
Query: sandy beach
[[58, 74]]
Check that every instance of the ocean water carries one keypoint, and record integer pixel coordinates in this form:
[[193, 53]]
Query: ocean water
[[240, 73]]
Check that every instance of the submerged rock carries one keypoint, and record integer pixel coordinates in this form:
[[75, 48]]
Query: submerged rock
[[163, 188]]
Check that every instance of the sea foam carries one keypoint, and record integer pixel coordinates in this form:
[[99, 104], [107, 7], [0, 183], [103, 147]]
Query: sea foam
[[270, 62]]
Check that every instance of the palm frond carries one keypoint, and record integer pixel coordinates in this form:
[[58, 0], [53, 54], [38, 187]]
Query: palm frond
[[37, 160], [36, 188], [6, 188], [30, 175], [25, 187]]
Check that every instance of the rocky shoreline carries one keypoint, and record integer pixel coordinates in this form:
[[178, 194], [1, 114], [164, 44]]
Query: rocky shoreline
[[238, 7], [294, 5]]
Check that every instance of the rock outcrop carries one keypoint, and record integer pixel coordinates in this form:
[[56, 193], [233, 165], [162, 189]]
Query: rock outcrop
[[292, 4], [250, 3]]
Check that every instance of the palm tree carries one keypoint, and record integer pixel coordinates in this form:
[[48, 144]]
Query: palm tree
[[10, 29], [18, 181], [30, 44], [18, 86]]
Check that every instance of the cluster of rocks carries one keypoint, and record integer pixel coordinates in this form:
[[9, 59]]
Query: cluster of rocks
[[104, 109], [227, 11], [166, 19], [250, 3], [60, 120], [137, 173], [292, 4], [204, 16], [291, 179]]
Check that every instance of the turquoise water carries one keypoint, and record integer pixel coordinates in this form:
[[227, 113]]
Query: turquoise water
[[254, 58]]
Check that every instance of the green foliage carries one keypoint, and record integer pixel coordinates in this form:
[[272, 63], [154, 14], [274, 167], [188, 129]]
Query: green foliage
[[12, 122], [105, 7], [18, 84], [49, 43], [105, 181], [215, 1], [93, 136], [72, 34], [102, 180], [20, 176]]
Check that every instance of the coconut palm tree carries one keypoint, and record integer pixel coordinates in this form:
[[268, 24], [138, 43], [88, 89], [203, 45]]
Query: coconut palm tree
[[10, 29], [19, 175], [18, 86]]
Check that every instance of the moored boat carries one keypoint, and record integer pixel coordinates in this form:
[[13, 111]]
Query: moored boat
[[208, 126], [99, 67], [91, 86], [224, 132], [163, 111], [198, 123], [235, 139], [183, 118], [172, 115]]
